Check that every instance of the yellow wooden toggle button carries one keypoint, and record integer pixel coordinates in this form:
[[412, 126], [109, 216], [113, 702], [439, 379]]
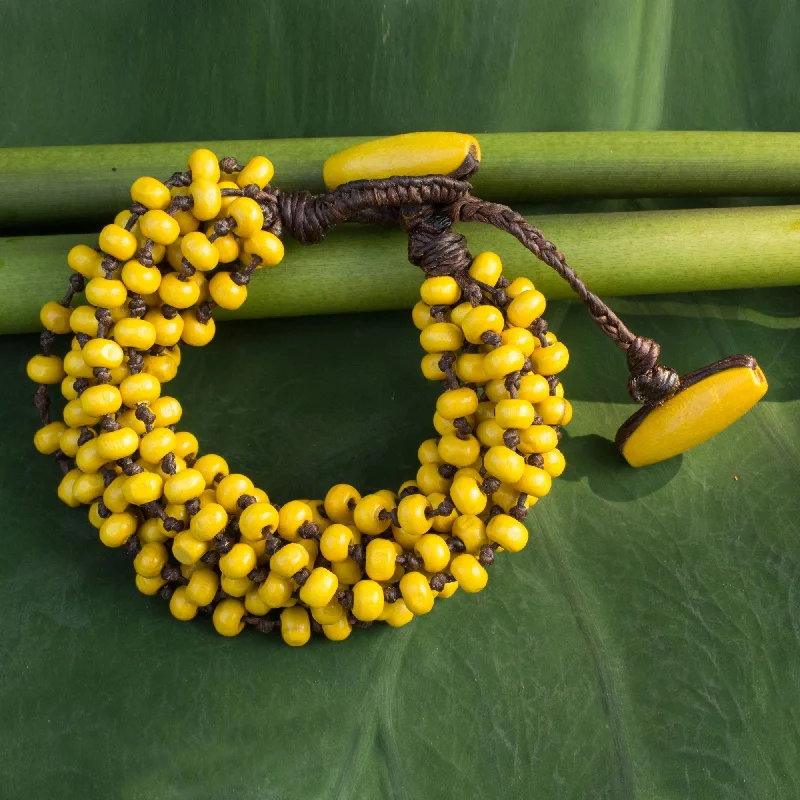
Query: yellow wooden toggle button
[[709, 400], [431, 153]]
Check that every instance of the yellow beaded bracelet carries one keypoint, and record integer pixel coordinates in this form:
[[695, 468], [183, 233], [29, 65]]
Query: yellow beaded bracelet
[[207, 539]]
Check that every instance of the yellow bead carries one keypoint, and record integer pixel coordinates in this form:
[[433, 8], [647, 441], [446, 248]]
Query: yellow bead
[[428, 153], [151, 193], [87, 458], [202, 163], [113, 445], [469, 368], [421, 316], [319, 588], [83, 320], [550, 360], [340, 502], [441, 524], [503, 361], [183, 486], [295, 626], [416, 593], [276, 590], [486, 267], [507, 532], [467, 495], [291, 558], [46, 439], [152, 530], [65, 488], [236, 587], [168, 411], [429, 480], [430, 367], [514, 413], [291, 517], [257, 170], [534, 481], [230, 489], [208, 522], [137, 333], [480, 320], [69, 440], [504, 464], [85, 260], [186, 443], [412, 514], [257, 520], [440, 291], [458, 313], [348, 571], [101, 399], [434, 552], [428, 452], [328, 614], [400, 614], [226, 292], [203, 585], [149, 586], [178, 293], [469, 573], [150, 560], [367, 600], [46, 369], [248, 216], [554, 411], [254, 604], [113, 497], [75, 417], [559, 390], [238, 562], [68, 391], [537, 439], [440, 337], [455, 403], [211, 466], [141, 388], [519, 338], [87, 488], [102, 353], [159, 226], [265, 245], [188, 550], [117, 529], [180, 607], [206, 197], [155, 445], [106, 293], [335, 541], [472, 531], [381, 557], [533, 388], [518, 286], [199, 251], [145, 487], [55, 317], [228, 617], [367, 514], [117, 242], [457, 451], [525, 308], [162, 367], [227, 246], [554, 463]]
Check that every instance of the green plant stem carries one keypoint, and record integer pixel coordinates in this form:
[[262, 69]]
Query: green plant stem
[[365, 269], [74, 184]]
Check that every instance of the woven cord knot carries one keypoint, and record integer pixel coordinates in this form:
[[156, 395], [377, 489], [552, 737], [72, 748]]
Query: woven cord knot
[[650, 382]]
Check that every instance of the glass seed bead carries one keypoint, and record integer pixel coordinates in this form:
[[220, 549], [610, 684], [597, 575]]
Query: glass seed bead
[[186, 443], [518, 286], [291, 517], [504, 464], [367, 514], [381, 555], [428, 452], [137, 333], [554, 411], [467, 495], [228, 615], [255, 519], [113, 445], [203, 585], [238, 561], [151, 193], [117, 242], [537, 439], [554, 462], [507, 532], [502, 361], [440, 291], [188, 550], [335, 541], [102, 353], [433, 550], [480, 320], [88, 487], [421, 315], [525, 308], [367, 600], [55, 317], [87, 458], [534, 481], [267, 246], [159, 226], [519, 338], [469, 368], [257, 170], [550, 360], [46, 369], [248, 216], [440, 337], [183, 486], [46, 439], [276, 590], [430, 367], [533, 388], [180, 607], [340, 502], [84, 260], [456, 403], [145, 487], [149, 586], [202, 163], [295, 626], [150, 560], [230, 489], [430, 480], [401, 614], [486, 267], [101, 399], [459, 452], [416, 593], [291, 558], [226, 292], [469, 573], [210, 520], [514, 413], [319, 588], [210, 466], [117, 529]]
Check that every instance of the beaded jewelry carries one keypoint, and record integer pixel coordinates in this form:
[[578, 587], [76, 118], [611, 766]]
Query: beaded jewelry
[[206, 539]]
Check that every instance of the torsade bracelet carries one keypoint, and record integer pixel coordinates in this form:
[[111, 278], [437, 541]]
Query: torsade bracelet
[[207, 539]]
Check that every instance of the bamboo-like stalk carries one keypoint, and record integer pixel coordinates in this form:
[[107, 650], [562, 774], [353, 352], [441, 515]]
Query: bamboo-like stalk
[[365, 269], [73, 184]]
